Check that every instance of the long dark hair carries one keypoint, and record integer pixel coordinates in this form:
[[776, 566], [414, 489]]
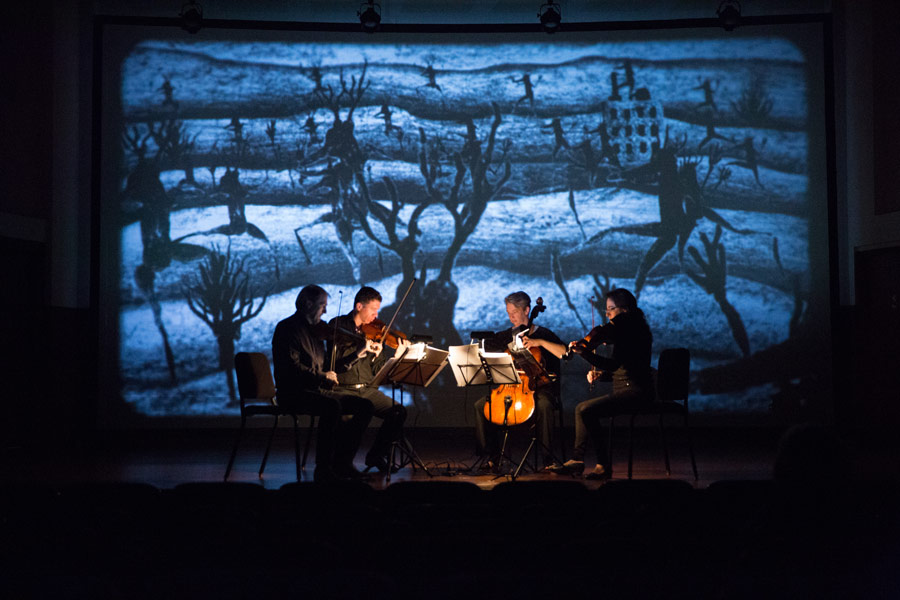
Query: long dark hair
[[627, 302], [623, 299]]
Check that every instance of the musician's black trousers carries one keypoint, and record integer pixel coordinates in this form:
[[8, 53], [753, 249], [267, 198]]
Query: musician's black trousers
[[590, 413], [392, 415], [337, 437], [487, 434]]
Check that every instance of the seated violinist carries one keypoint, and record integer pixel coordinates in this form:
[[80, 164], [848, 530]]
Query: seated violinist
[[304, 381], [360, 374], [632, 383], [546, 396]]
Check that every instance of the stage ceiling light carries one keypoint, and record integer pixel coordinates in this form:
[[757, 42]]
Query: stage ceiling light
[[550, 15], [369, 16], [191, 16], [729, 13]]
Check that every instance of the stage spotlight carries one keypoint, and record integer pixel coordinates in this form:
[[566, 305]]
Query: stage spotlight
[[729, 13], [550, 15], [191, 16], [369, 16]]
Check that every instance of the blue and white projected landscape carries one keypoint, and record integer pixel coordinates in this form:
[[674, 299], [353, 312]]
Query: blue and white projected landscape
[[684, 169]]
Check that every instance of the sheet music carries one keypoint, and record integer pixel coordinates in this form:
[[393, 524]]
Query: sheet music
[[436, 360], [382, 374], [468, 369], [419, 366]]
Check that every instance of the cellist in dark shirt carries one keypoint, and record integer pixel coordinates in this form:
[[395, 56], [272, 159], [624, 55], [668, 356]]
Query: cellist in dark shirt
[[546, 394]]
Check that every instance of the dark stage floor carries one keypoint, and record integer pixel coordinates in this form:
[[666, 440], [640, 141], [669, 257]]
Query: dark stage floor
[[166, 458]]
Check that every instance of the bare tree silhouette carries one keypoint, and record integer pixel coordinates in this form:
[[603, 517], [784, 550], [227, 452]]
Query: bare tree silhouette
[[557, 273], [221, 297], [438, 301], [601, 288], [574, 210], [404, 246]]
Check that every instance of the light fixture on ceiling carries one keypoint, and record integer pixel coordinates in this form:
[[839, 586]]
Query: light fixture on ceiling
[[369, 15], [550, 15], [191, 16], [729, 13]]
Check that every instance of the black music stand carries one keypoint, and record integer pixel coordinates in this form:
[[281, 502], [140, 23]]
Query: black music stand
[[522, 354], [531, 446], [471, 367], [420, 368]]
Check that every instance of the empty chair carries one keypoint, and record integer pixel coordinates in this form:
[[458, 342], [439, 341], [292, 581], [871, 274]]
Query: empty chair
[[257, 392], [672, 387]]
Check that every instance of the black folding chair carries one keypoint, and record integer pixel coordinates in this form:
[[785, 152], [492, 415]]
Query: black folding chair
[[672, 387], [257, 391]]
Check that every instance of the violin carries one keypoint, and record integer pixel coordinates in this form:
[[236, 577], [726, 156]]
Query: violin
[[585, 348], [589, 341], [510, 403], [379, 332], [383, 334]]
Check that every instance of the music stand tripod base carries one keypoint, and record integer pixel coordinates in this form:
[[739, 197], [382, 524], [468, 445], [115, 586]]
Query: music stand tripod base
[[419, 371], [402, 454]]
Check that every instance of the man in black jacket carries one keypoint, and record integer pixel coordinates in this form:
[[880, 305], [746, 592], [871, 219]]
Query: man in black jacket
[[303, 382]]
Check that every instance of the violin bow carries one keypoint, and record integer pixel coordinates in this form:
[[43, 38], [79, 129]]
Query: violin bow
[[334, 333], [592, 301], [397, 310]]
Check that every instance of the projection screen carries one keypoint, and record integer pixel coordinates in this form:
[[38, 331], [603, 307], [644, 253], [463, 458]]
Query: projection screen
[[687, 166]]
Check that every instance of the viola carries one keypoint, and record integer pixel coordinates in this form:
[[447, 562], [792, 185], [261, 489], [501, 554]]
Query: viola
[[335, 334]]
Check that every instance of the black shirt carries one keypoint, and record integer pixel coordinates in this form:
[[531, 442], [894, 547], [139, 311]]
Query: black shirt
[[299, 358], [549, 361], [632, 342], [362, 371]]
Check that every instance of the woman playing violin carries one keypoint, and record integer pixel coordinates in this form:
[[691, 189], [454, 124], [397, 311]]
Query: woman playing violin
[[355, 380], [627, 331], [546, 397]]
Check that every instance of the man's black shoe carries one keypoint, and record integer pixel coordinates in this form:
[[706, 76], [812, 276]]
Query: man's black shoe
[[378, 463]]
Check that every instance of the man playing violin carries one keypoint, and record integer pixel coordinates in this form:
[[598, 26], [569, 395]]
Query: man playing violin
[[546, 397], [304, 383], [360, 374]]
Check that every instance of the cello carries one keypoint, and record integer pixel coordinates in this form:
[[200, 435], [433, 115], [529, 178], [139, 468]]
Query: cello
[[513, 403]]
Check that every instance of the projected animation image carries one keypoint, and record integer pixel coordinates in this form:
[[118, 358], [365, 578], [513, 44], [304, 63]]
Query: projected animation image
[[678, 169]]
